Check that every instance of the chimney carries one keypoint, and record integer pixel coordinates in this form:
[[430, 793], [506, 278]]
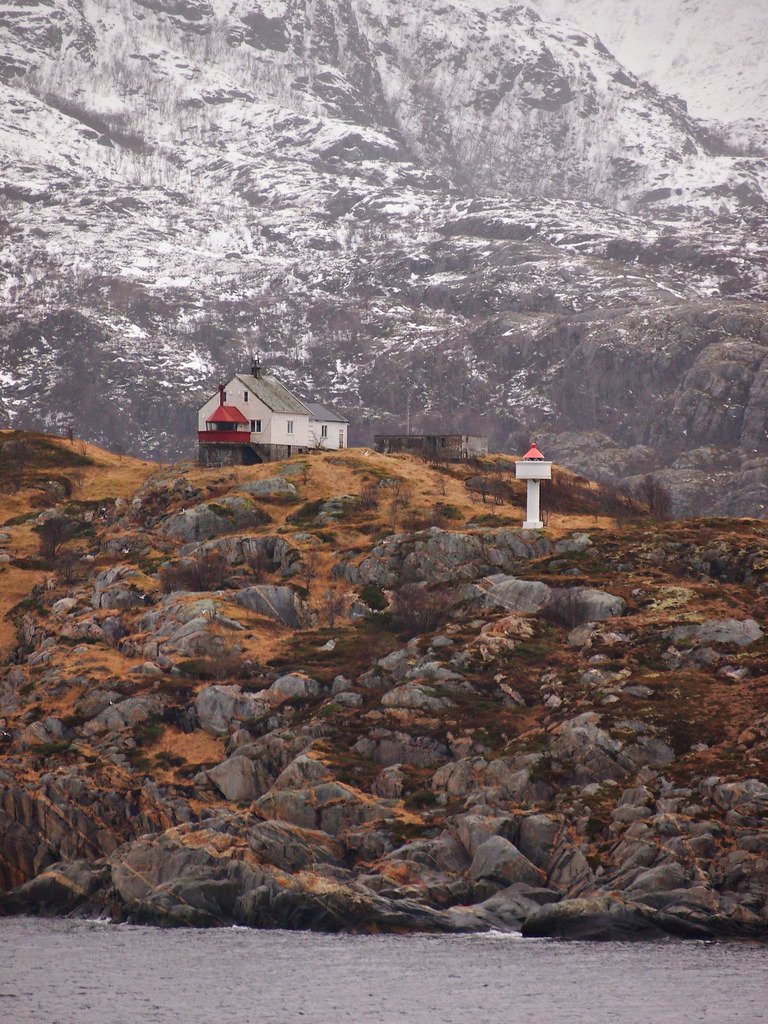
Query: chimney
[[256, 368], [221, 394]]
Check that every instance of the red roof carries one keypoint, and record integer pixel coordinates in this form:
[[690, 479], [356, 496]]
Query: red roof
[[533, 453], [227, 414]]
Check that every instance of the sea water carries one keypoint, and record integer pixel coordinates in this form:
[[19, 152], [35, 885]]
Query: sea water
[[81, 972]]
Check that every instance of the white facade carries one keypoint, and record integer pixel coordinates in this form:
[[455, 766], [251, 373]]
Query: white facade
[[327, 434]]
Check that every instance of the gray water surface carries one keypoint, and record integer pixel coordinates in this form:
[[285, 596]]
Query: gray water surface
[[79, 972]]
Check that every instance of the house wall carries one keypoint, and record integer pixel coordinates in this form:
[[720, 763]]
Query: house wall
[[277, 431], [332, 442]]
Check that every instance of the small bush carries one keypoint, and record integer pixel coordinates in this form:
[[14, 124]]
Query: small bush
[[229, 666], [416, 610], [374, 597], [369, 498], [55, 531], [149, 732], [51, 749], [165, 759], [210, 572], [652, 492], [69, 566], [259, 565]]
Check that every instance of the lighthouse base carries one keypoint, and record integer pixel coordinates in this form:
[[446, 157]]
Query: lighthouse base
[[533, 524]]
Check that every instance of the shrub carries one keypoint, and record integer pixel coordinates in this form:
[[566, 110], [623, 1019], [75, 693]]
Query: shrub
[[54, 531], [652, 492], [368, 498], [416, 609], [228, 666], [374, 597], [149, 732], [165, 759], [209, 572], [69, 566], [259, 565], [51, 749]]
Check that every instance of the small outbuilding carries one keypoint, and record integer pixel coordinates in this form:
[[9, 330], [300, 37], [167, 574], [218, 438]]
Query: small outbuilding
[[452, 447]]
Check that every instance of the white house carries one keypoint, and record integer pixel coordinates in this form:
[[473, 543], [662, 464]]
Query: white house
[[255, 418]]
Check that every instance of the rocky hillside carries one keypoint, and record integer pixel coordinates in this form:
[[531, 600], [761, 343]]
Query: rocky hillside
[[240, 697], [467, 203], [709, 52]]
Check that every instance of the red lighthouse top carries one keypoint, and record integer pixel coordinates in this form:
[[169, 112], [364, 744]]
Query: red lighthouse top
[[533, 454]]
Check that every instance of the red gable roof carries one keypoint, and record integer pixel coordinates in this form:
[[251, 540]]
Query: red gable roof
[[533, 453], [227, 414]]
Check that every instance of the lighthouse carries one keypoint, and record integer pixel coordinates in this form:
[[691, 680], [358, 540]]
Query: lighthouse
[[534, 468]]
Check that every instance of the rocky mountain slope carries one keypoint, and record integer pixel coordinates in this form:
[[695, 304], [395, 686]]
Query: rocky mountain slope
[[239, 697], [467, 203], [709, 52]]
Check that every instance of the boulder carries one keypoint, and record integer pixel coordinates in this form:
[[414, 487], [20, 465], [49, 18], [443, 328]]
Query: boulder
[[218, 708], [292, 686], [236, 779], [214, 519], [121, 587], [497, 860], [536, 838], [271, 487], [516, 595], [387, 748], [123, 715], [279, 603], [239, 549], [596, 918], [417, 698], [741, 632], [291, 848], [578, 605]]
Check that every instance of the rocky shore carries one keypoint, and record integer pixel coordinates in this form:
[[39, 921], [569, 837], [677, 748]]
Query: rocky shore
[[384, 708]]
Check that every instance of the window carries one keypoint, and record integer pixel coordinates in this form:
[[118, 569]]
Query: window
[[255, 426], [324, 431], [289, 428], [223, 396], [341, 439], [245, 396]]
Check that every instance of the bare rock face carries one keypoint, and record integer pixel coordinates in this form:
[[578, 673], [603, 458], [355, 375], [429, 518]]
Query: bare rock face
[[236, 779], [720, 631], [573, 605], [280, 603], [213, 519], [442, 556], [218, 708]]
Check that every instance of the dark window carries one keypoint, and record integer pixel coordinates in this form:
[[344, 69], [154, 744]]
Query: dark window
[[289, 428], [324, 431], [255, 426], [245, 396], [223, 396]]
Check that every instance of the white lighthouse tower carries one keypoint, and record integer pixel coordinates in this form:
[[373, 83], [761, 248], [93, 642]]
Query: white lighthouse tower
[[534, 468]]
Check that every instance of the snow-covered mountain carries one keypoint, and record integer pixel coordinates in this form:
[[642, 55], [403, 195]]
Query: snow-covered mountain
[[465, 201], [710, 52]]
